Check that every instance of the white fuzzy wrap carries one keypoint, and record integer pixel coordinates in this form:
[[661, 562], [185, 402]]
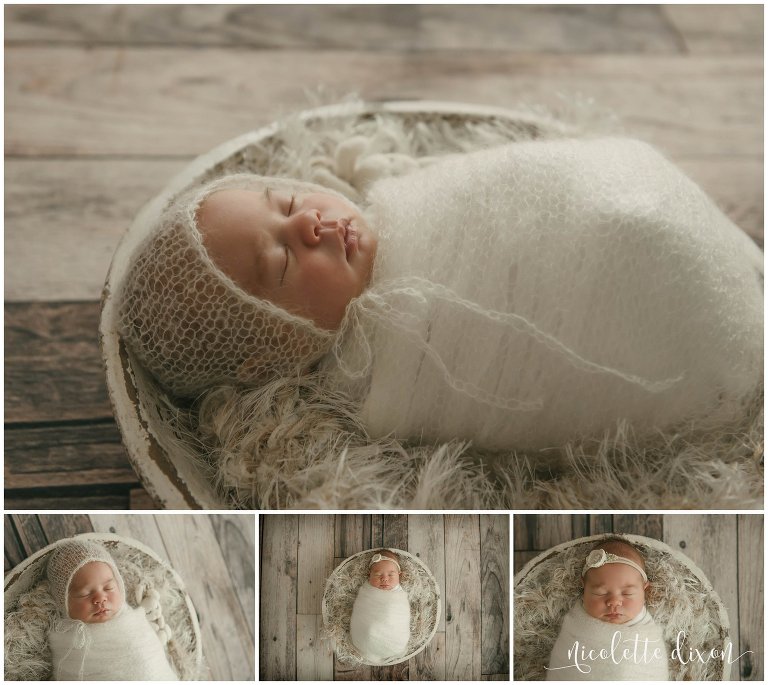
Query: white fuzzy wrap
[[581, 632], [124, 648], [538, 292], [380, 624]]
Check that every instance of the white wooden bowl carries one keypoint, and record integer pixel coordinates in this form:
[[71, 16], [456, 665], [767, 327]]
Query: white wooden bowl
[[337, 628]]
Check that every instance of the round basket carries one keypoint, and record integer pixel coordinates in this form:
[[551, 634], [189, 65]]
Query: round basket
[[129, 555], [679, 595], [162, 459], [341, 589]]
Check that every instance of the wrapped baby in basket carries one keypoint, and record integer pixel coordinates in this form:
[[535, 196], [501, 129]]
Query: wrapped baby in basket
[[608, 634], [518, 297], [98, 636], [381, 616]]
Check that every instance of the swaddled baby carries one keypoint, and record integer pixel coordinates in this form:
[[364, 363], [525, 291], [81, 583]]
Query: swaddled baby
[[518, 297], [608, 634], [97, 635], [381, 616]]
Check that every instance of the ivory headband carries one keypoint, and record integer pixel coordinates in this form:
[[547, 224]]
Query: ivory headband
[[599, 557], [376, 558]]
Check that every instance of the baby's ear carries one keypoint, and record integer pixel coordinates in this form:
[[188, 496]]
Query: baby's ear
[[646, 585]]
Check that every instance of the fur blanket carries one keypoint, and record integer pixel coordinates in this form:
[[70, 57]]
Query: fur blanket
[[380, 623], [590, 649], [126, 647]]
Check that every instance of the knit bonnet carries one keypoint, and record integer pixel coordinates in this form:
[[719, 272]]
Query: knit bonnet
[[190, 325], [67, 559]]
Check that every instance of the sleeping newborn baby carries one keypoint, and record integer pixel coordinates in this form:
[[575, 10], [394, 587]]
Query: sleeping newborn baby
[[609, 634], [97, 636], [381, 616]]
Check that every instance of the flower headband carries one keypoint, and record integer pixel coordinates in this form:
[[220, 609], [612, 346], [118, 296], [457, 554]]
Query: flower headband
[[376, 558], [599, 557]]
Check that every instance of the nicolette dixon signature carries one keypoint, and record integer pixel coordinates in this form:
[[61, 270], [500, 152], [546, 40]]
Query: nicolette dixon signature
[[644, 651]]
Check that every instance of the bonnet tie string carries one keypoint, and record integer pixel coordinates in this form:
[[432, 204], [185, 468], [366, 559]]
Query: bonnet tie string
[[81, 641], [402, 304]]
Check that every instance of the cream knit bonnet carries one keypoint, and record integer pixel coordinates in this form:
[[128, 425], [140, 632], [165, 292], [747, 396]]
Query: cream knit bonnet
[[67, 559], [190, 325]]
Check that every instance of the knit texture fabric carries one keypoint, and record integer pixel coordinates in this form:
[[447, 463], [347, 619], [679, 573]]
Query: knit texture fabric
[[380, 623], [190, 325], [124, 648], [67, 560], [537, 293], [638, 652]]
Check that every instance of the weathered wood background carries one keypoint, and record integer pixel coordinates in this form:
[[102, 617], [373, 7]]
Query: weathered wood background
[[468, 555], [727, 548], [214, 555], [104, 103]]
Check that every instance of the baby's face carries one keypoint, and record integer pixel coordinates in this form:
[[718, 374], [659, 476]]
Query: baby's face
[[94, 595], [614, 593], [309, 253], [384, 575]]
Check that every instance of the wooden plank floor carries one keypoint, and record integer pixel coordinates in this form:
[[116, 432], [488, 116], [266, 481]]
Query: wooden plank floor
[[728, 548], [103, 103], [213, 554], [468, 555]]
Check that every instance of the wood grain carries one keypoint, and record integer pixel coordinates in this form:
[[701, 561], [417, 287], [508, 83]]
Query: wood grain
[[426, 540], [751, 601], [394, 531], [53, 364], [314, 656], [226, 637], [78, 101], [14, 549], [539, 28], [277, 623], [66, 455], [236, 536], [494, 574], [717, 28], [352, 534], [649, 525], [139, 527], [64, 499], [67, 217], [429, 664], [315, 561], [462, 581]]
